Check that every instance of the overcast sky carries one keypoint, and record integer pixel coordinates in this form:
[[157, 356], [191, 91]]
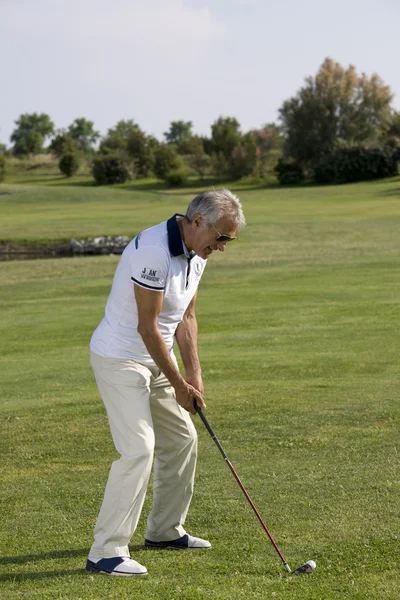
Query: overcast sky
[[155, 61]]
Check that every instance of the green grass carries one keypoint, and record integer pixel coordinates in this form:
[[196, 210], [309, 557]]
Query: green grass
[[57, 211], [299, 345]]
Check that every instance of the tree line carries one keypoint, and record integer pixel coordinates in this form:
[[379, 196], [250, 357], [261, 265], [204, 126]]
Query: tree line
[[340, 126], [126, 151]]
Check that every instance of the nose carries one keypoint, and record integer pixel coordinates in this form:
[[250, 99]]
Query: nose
[[221, 246]]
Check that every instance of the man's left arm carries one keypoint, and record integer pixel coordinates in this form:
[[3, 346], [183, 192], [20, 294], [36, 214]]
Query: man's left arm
[[186, 337]]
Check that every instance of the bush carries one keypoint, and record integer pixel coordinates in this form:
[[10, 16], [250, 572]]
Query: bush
[[166, 160], [288, 171], [177, 177], [347, 165], [3, 167], [69, 163], [113, 167]]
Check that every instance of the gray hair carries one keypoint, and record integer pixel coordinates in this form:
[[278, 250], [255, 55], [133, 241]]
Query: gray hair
[[214, 205]]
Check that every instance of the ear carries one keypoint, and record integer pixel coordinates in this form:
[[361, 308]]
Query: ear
[[198, 220]]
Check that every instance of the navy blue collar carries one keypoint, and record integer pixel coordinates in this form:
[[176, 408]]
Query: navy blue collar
[[174, 236]]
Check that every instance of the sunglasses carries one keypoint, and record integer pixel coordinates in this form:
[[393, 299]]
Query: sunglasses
[[222, 237]]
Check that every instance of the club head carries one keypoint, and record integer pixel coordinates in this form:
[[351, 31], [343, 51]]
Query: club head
[[305, 569]]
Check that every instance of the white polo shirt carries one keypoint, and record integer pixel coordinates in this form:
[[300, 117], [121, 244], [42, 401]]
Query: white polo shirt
[[156, 259]]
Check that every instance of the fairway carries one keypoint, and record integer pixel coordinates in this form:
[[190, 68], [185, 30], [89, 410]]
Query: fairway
[[299, 342]]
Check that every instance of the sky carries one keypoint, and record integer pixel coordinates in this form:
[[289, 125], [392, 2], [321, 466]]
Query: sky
[[157, 61]]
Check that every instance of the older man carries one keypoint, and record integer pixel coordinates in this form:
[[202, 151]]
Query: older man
[[148, 401]]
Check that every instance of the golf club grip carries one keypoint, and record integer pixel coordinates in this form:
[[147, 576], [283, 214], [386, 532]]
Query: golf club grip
[[210, 430], [204, 419]]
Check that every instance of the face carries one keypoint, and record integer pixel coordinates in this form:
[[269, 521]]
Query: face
[[204, 239]]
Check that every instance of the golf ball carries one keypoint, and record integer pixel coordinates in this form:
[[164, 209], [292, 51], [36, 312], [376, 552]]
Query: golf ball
[[312, 564]]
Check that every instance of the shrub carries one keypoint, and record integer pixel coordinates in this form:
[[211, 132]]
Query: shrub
[[113, 167], [289, 172], [177, 177], [69, 163], [166, 159], [347, 165], [3, 167]]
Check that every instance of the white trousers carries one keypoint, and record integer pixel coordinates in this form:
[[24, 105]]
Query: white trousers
[[145, 420]]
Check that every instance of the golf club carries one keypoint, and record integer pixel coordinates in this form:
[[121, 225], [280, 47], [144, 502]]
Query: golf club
[[304, 569]]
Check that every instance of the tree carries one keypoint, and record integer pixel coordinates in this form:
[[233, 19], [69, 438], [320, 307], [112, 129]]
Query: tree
[[225, 136], [269, 143], [3, 167], [179, 131], [391, 137], [141, 148], [128, 138], [207, 144], [117, 137], [268, 138], [244, 157], [82, 131], [200, 162], [166, 159], [62, 143], [336, 107], [195, 156], [394, 127], [219, 164], [31, 133]]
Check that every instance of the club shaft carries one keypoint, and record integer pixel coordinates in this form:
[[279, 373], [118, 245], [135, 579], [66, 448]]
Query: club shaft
[[236, 476]]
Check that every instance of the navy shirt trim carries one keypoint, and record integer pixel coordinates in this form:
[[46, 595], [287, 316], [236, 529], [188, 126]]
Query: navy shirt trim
[[147, 286], [174, 236]]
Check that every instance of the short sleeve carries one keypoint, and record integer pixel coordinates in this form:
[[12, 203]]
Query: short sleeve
[[149, 267]]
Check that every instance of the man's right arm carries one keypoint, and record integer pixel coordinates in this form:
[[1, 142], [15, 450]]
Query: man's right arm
[[149, 303]]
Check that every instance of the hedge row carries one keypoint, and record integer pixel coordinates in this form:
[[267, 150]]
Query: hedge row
[[345, 165], [348, 165]]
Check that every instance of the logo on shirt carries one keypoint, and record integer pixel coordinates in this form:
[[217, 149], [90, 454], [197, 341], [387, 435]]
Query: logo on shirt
[[150, 275]]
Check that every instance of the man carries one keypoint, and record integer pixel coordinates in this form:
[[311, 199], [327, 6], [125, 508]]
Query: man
[[148, 401]]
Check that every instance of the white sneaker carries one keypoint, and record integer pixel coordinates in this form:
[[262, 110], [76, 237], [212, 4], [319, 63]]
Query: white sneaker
[[122, 566], [186, 542], [195, 542]]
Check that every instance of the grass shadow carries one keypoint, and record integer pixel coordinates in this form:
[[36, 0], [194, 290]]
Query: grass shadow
[[36, 180], [197, 186], [18, 577], [84, 183], [193, 186], [20, 560], [393, 192], [51, 555]]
